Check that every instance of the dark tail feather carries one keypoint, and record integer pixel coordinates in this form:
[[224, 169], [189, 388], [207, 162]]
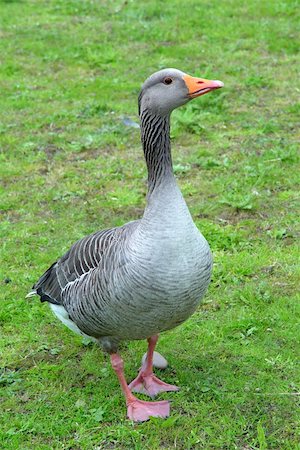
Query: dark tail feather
[[43, 286]]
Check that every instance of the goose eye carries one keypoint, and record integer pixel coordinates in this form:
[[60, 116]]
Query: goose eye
[[168, 80]]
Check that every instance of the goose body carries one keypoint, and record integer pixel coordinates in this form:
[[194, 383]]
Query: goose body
[[149, 275]]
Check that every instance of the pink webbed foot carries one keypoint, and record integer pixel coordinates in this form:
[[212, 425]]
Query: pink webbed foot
[[150, 385], [140, 411]]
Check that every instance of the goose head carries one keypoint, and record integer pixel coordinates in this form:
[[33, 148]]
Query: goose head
[[168, 89]]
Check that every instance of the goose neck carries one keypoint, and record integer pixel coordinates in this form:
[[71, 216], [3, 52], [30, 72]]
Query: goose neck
[[155, 136]]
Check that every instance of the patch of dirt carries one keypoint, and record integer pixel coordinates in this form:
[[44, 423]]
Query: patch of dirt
[[133, 212], [233, 217], [270, 270], [50, 150], [202, 216], [10, 215], [91, 153]]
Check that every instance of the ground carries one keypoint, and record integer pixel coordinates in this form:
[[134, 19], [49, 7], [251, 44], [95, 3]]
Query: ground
[[71, 163]]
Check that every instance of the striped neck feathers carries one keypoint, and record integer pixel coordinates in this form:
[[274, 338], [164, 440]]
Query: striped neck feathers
[[155, 136]]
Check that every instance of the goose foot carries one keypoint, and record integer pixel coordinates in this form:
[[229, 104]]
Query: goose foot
[[140, 411], [146, 382], [150, 385], [137, 410]]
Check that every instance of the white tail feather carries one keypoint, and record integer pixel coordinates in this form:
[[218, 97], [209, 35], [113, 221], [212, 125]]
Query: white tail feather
[[31, 294]]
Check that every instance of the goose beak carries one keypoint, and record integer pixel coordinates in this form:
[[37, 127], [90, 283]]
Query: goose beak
[[200, 86]]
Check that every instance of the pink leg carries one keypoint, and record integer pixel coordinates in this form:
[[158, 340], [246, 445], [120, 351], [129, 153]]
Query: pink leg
[[137, 410], [146, 382]]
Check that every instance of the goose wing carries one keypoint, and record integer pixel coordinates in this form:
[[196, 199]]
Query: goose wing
[[82, 257]]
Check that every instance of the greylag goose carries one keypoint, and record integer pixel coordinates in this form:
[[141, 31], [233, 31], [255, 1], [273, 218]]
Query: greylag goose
[[149, 275]]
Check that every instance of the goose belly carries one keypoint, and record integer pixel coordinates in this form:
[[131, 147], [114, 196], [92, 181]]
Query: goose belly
[[164, 291]]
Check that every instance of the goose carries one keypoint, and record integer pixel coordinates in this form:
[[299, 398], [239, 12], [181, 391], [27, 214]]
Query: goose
[[147, 276]]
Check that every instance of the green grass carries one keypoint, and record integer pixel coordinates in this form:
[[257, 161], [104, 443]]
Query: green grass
[[70, 72]]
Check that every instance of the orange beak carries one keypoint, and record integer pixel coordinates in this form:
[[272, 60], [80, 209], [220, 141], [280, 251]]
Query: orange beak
[[200, 86]]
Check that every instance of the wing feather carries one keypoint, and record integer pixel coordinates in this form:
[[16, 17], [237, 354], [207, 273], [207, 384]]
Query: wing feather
[[82, 257]]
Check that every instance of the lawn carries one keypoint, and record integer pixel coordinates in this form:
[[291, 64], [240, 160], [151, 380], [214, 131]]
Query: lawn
[[70, 73]]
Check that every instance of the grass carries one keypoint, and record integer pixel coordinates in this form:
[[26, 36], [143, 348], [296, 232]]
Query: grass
[[70, 73]]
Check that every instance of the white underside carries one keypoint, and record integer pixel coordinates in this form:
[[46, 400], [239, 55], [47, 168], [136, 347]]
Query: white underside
[[61, 313]]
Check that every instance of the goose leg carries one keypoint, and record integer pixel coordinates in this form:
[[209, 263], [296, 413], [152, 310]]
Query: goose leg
[[146, 382], [137, 410]]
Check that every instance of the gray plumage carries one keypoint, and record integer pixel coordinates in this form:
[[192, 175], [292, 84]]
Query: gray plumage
[[147, 276]]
